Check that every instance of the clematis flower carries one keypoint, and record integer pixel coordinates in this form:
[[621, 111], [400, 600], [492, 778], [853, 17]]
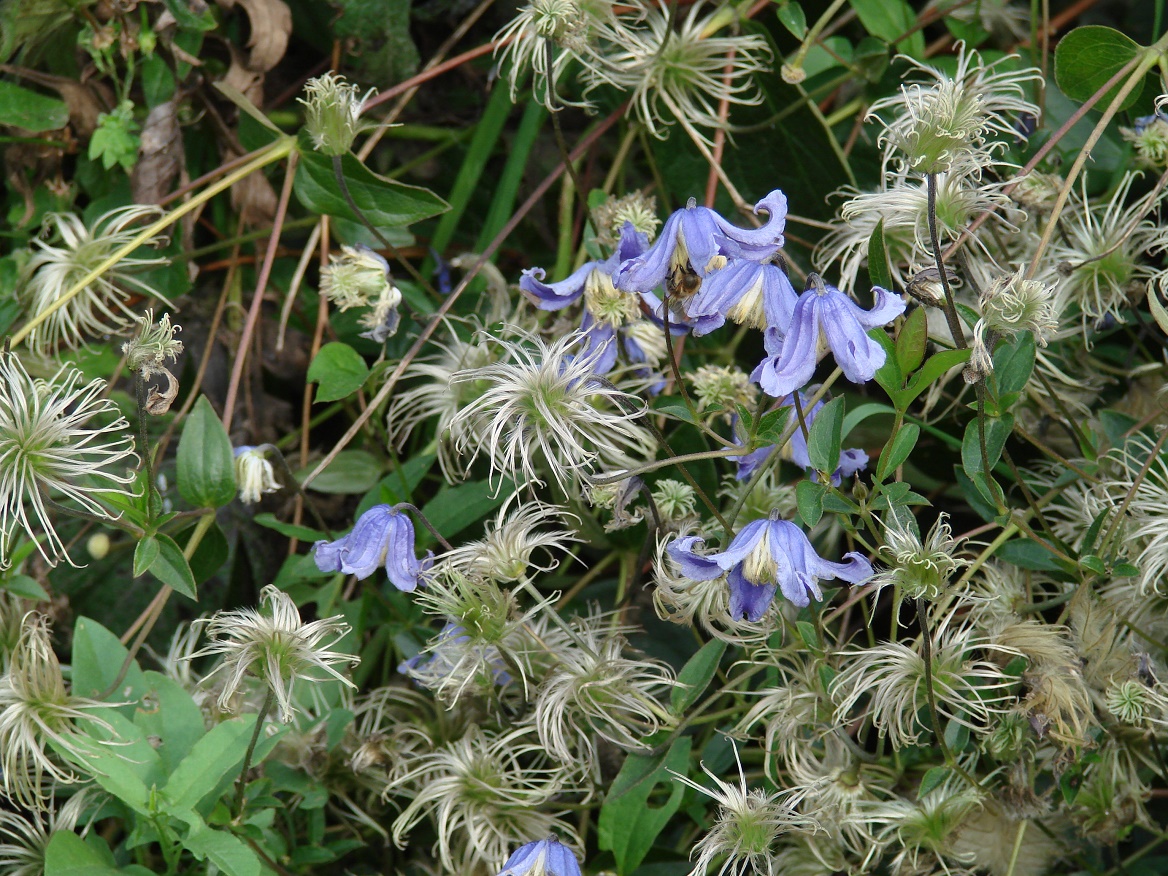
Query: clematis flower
[[382, 536], [612, 317], [699, 239], [825, 310], [767, 555], [851, 460], [546, 857], [757, 294]]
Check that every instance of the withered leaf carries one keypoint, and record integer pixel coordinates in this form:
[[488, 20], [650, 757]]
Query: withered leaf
[[160, 156]]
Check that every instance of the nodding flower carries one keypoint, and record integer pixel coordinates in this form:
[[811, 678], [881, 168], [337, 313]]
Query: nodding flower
[[382, 536], [767, 555], [823, 310]]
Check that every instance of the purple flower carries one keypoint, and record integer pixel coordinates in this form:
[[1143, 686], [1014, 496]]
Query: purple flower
[[547, 857], [822, 308], [382, 536], [767, 555], [851, 460], [757, 294], [553, 296], [695, 235]]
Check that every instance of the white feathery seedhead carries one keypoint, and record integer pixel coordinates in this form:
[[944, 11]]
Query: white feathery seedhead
[[47, 451], [276, 647], [70, 254], [541, 406]]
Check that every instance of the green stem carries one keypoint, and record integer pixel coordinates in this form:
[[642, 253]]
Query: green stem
[[241, 784], [951, 315]]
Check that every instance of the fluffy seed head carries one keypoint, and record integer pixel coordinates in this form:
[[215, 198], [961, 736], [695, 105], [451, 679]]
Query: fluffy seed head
[[1013, 304], [635, 208], [36, 710], [921, 570], [67, 252], [748, 827], [932, 127], [684, 74], [276, 647], [541, 408], [48, 450], [357, 277]]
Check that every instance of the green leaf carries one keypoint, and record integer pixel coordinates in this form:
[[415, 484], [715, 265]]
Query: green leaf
[[188, 19], [116, 140], [888, 375], [225, 850], [1125, 570], [628, 826], [67, 854], [984, 509], [35, 113], [1025, 553], [809, 635], [210, 553], [793, 19], [304, 533], [340, 371], [145, 553], [120, 759], [878, 271], [206, 465], [890, 20], [825, 437], [98, 656], [399, 484], [387, 204], [353, 471], [1089, 56], [896, 451], [696, 675], [997, 430], [455, 508], [932, 780], [911, 341], [213, 758], [172, 569], [809, 498], [1013, 363], [175, 719], [1093, 564], [936, 366], [25, 587], [869, 409]]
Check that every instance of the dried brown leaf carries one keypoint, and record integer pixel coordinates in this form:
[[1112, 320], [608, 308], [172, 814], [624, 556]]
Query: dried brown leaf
[[160, 157], [271, 25]]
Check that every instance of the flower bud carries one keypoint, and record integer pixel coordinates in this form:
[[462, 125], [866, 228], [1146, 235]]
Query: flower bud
[[635, 208], [333, 113]]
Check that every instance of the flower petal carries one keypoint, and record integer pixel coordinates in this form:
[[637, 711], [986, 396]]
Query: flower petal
[[692, 565], [748, 600], [553, 296]]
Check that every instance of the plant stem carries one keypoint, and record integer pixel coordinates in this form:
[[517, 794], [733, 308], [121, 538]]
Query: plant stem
[[241, 785], [951, 315]]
